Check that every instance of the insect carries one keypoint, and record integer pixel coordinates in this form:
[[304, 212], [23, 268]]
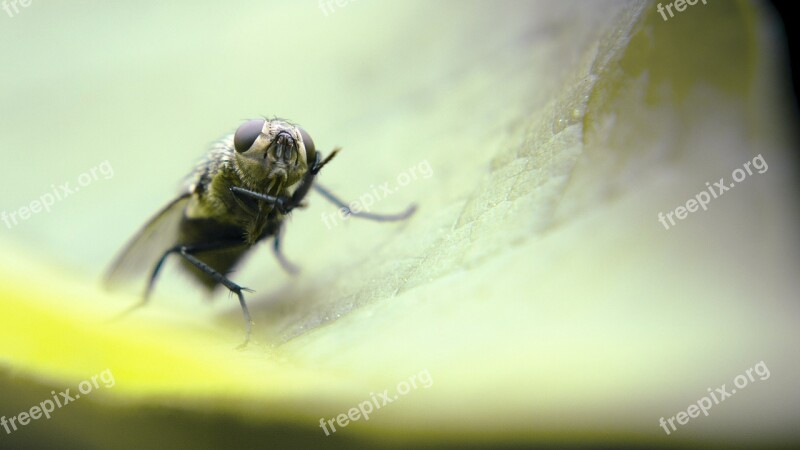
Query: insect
[[239, 194]]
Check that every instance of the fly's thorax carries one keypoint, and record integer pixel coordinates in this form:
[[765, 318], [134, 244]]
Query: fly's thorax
[[213, 199]]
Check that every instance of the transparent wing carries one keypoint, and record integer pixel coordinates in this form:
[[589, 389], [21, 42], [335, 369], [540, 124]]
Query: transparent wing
[[160, 234]]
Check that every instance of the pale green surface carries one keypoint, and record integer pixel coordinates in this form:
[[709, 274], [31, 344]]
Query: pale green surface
[[535, 283]]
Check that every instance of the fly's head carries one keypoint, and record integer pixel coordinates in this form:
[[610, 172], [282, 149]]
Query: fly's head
[[272, 154]]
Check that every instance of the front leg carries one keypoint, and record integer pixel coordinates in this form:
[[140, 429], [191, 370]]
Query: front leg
[[281, 203], [285, 263], [285, 204]]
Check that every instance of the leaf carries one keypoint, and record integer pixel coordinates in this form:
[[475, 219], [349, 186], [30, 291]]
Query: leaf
[[535, 286]]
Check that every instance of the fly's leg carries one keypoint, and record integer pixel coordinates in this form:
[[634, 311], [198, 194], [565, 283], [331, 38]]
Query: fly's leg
[[185, 251], [195, 248], [285, 204], [363, 214], [285, 263], [225, 281]]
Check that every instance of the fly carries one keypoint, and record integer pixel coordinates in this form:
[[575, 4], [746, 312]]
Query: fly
[[239, 195]]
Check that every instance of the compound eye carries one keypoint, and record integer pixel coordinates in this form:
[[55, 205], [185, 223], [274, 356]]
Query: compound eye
[[247, 134], [309, 144]]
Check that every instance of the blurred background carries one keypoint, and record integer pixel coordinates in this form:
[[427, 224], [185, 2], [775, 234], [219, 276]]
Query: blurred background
[[534, 298]]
